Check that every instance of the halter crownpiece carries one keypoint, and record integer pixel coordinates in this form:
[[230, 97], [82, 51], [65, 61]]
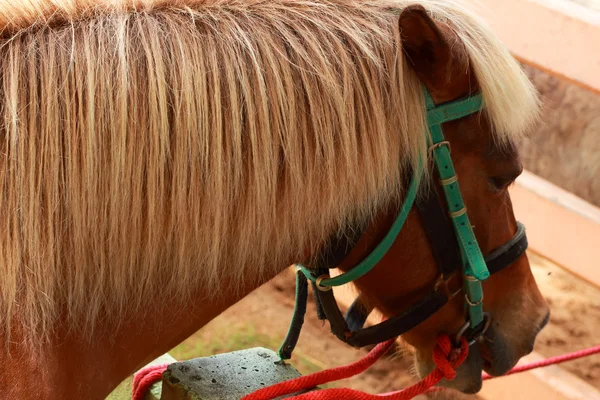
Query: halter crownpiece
[[463, 252]]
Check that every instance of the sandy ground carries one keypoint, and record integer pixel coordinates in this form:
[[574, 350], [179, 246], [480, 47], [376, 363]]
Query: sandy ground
[[261, 320], [575, 320]]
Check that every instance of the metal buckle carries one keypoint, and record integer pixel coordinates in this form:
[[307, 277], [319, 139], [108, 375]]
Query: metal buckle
[[318, 283], [470, 303], [449, 181], [476, 332], [439, 144], [456, 214]]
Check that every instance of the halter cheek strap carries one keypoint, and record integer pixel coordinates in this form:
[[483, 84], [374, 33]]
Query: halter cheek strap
[[474, 267]]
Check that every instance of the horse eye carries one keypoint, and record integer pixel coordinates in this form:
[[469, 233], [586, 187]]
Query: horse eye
[[499, 183]]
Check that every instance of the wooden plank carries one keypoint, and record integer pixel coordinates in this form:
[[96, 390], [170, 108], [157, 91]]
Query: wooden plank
[[560, 226], [556, 36], [559, 196]]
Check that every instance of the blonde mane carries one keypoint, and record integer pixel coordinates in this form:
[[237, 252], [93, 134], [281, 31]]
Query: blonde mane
[[154, 147]]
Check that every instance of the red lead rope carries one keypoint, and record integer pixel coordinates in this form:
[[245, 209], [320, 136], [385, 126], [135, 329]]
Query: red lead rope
[[550, 361], [445, 357], [321, 377], [145, 378]]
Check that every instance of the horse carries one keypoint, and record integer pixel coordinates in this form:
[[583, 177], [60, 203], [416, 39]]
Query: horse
[[160, 159]]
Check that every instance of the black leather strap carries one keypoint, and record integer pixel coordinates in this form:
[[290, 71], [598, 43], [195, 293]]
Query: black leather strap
[[440, 233], [401, 323], [326, 301], [509, 252], [319, 307], [357, 313], [383, 331]]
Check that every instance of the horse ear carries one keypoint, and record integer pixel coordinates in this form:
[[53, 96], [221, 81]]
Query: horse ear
[[426, 48]]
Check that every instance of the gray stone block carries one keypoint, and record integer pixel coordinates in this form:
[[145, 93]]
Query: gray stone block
[[227, 376]]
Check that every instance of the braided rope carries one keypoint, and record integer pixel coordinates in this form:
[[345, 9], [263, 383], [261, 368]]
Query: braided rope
[[549, 361], [447, 359], [321, 377], [145, 378]]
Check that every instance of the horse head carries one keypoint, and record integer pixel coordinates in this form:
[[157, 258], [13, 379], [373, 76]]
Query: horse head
[[515, 310]]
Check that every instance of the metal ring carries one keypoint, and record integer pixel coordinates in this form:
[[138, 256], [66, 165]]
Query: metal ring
[[488, 320], [461, 331], [456, 214], [318, 283], [440, 144], [471, 303], [449, 181]]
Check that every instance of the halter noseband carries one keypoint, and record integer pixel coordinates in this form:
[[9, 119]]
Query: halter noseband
[[452, 239]]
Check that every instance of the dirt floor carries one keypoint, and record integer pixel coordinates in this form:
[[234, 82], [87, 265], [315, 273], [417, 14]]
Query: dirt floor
[[575, 320], [261, 320]]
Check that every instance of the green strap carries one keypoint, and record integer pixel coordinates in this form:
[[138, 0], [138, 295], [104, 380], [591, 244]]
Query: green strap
[[453, 110], [475, 268], [377, 254]]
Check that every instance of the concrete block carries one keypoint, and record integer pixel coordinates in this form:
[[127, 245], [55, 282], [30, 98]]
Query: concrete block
[[227, 376]]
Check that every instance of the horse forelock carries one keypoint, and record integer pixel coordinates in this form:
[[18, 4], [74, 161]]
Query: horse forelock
[[154, 148]]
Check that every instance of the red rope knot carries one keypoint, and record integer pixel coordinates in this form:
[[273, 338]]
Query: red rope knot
[[448, 358]]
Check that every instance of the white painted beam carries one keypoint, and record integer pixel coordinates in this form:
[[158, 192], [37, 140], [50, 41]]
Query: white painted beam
[[560, 226], [557, 36]]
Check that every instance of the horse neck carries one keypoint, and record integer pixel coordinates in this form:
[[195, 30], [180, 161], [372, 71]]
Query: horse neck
[[74, 366]]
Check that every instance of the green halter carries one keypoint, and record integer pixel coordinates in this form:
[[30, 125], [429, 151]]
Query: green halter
[[474, 266]]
